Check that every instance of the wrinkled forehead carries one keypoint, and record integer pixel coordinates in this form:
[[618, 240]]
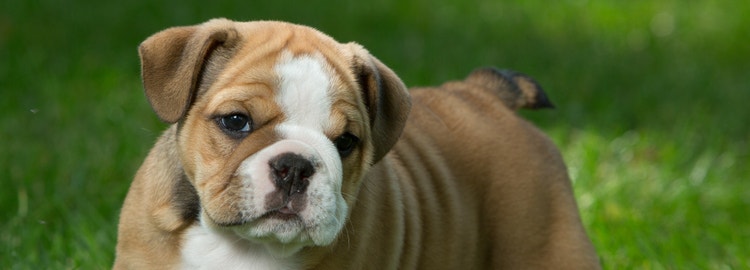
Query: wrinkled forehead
[[312, 94], [305, 72], [267, 48], [269, 41]]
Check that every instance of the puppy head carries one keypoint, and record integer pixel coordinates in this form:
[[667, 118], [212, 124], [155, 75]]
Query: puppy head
[[278, 123]]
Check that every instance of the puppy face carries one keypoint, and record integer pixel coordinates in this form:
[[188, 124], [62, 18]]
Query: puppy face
[[268, 155], [277, 124]]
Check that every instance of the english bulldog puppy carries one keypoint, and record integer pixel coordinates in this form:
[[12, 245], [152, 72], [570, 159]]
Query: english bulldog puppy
[[289, 150]]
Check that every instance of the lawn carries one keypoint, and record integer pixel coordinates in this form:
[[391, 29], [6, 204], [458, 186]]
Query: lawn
[[649, 94]]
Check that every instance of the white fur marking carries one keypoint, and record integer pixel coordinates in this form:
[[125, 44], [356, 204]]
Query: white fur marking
[[303, 93], [304, 96], [210, 249]]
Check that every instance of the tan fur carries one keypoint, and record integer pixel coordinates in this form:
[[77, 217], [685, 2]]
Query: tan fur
[[467, 185]]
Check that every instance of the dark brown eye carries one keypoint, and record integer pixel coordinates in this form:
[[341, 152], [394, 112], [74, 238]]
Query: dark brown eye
[[235, 125], [345, 144]]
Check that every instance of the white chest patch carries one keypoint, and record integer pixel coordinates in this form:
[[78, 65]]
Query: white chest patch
[[203, 249]]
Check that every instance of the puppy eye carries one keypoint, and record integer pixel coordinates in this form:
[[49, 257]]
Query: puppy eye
[[236, 125], [346, 144]]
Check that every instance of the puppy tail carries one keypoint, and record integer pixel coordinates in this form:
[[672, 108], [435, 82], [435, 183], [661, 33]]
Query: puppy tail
[[516, 90]]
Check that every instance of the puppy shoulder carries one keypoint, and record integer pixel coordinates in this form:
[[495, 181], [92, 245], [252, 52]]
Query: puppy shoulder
[[161, 184]]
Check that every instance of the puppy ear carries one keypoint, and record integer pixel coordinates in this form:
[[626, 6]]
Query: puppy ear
[[174, 61], [387, 100]]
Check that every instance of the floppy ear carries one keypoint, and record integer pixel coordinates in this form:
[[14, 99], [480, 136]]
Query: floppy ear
[[174, 62], [387, 100]]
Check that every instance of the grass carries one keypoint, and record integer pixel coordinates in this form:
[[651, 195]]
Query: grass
[[651, 113]]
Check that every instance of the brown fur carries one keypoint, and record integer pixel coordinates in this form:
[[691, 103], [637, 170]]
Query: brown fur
[[467, 185]]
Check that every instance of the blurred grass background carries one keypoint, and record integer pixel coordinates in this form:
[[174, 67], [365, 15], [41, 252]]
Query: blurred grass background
[[651, 110]]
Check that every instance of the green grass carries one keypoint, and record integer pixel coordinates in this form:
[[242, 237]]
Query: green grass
[[650, 96]]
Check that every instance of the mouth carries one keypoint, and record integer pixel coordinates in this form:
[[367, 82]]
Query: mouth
[[283, 213], [280, 225], [284, 224]]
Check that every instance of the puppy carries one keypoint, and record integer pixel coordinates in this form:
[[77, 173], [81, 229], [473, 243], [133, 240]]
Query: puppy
[[289, 150]]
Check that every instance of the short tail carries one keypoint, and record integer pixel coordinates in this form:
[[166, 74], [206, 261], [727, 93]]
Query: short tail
[[515, 89]]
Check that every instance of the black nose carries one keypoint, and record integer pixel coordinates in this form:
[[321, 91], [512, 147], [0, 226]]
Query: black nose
[[291, 172]]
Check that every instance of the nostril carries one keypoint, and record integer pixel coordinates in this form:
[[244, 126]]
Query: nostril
[[291, 172], [282, 172], [307, 170]]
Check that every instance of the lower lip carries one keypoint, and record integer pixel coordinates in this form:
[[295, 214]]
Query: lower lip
[[280, 215]]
